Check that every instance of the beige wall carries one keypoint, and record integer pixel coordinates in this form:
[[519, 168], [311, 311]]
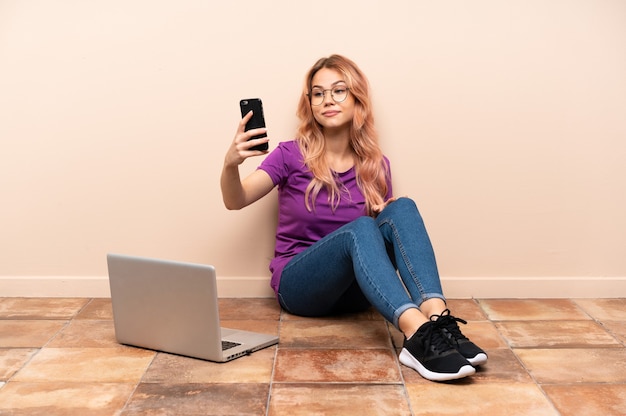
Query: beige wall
[[505, 120]]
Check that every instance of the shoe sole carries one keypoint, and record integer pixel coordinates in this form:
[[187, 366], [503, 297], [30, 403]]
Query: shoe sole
[[480, 359], [407, 359]]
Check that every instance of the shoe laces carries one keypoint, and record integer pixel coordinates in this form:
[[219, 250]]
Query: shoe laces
[[449, 324], [435, 339]]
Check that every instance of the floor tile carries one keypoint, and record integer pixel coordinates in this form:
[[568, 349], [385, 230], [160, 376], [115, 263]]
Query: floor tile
[[532, 309], [338, 399], [192, 399], [598, 399], [501, 367], [27, 333], [440, 399], [348, 366], [397, 337], [249, 308], [40, 308], [617, 329], [12, 359], [62, 399], [604, 309], [467, 309], [254, 368], [484, 334], [98, 308], [101, 365], [262, 326], [370, 314], [558, 366], [85, 334], [323, 333], [562, 334]]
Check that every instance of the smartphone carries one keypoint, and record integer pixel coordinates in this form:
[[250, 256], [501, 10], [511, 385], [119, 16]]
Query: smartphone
[[257, 121]]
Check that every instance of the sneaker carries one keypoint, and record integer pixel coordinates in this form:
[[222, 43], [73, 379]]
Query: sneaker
[[450, 328], [430, 353]]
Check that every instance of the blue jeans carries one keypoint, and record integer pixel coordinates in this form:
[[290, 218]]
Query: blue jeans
[[387, 262]]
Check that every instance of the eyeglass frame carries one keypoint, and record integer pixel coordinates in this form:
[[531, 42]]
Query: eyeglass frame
[[331, 95]]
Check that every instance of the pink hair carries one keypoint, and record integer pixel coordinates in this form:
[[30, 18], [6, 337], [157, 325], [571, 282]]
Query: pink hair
[[371, 169]]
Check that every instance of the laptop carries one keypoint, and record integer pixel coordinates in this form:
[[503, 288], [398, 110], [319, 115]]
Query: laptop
[[173, 307]]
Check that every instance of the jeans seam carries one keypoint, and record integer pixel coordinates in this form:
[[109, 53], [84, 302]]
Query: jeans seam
[[405, 258], [370, 282]]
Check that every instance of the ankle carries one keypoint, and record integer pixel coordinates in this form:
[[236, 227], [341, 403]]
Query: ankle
[[433, 307], [410, 321], [421, 328], [440, 314]]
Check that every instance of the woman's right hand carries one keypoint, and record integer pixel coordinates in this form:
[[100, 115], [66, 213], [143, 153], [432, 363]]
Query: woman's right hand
[[239, 149], [235, 192]]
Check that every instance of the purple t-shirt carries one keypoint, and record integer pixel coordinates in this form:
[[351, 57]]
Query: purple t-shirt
[[299, 228]]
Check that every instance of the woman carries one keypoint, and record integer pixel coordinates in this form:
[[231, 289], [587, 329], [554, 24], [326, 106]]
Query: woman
[[342, 239]]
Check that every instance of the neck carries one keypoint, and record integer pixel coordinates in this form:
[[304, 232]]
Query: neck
[[339, 154], [337, 141]]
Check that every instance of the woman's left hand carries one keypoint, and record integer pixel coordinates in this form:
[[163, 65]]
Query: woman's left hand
[[377, 209]]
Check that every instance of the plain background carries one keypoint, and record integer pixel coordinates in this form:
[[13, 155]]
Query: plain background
[[504, 120]]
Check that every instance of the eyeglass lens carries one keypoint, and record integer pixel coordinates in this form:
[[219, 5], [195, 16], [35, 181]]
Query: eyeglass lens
[[338, 94]]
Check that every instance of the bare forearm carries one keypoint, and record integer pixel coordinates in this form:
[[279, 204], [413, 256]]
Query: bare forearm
[[233, 192], [238, 193]]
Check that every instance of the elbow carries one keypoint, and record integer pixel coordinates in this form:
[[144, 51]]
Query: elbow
[[231, 206], [231, 202]]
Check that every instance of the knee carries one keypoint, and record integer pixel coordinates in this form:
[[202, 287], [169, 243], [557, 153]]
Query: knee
[[405, 201], [364, 224], [363, 221], [402, 205], [402, 209], [363, 228]]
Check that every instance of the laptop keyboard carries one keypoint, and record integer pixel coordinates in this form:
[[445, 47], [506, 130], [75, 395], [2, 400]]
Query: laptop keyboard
[[226, 345]]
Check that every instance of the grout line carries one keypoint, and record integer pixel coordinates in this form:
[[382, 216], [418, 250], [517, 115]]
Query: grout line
[[601, 324], [399, 367], [132, 393], [89, 300], [271, 381]]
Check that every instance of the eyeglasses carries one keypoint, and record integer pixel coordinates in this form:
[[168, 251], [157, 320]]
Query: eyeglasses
[[338, 93]]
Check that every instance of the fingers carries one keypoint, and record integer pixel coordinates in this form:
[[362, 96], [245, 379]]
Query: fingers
[[244, 136], [246, 148], [390, 200], [245, 141], [242, 144], [244, 120], [380, 207]]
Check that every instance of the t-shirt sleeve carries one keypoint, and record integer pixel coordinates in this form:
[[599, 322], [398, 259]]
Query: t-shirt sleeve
[[276, 165]]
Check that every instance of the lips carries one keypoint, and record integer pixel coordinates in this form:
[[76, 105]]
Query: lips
[[330, 113]]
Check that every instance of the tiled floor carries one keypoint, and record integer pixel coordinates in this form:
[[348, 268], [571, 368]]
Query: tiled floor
[[547, 357]]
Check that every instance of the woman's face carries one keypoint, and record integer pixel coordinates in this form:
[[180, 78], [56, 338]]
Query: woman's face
[[331, 114]]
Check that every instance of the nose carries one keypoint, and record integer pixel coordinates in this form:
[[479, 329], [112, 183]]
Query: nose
[[328, 99]]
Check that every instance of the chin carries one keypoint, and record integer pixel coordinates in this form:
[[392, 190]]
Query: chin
[[335, 125]]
